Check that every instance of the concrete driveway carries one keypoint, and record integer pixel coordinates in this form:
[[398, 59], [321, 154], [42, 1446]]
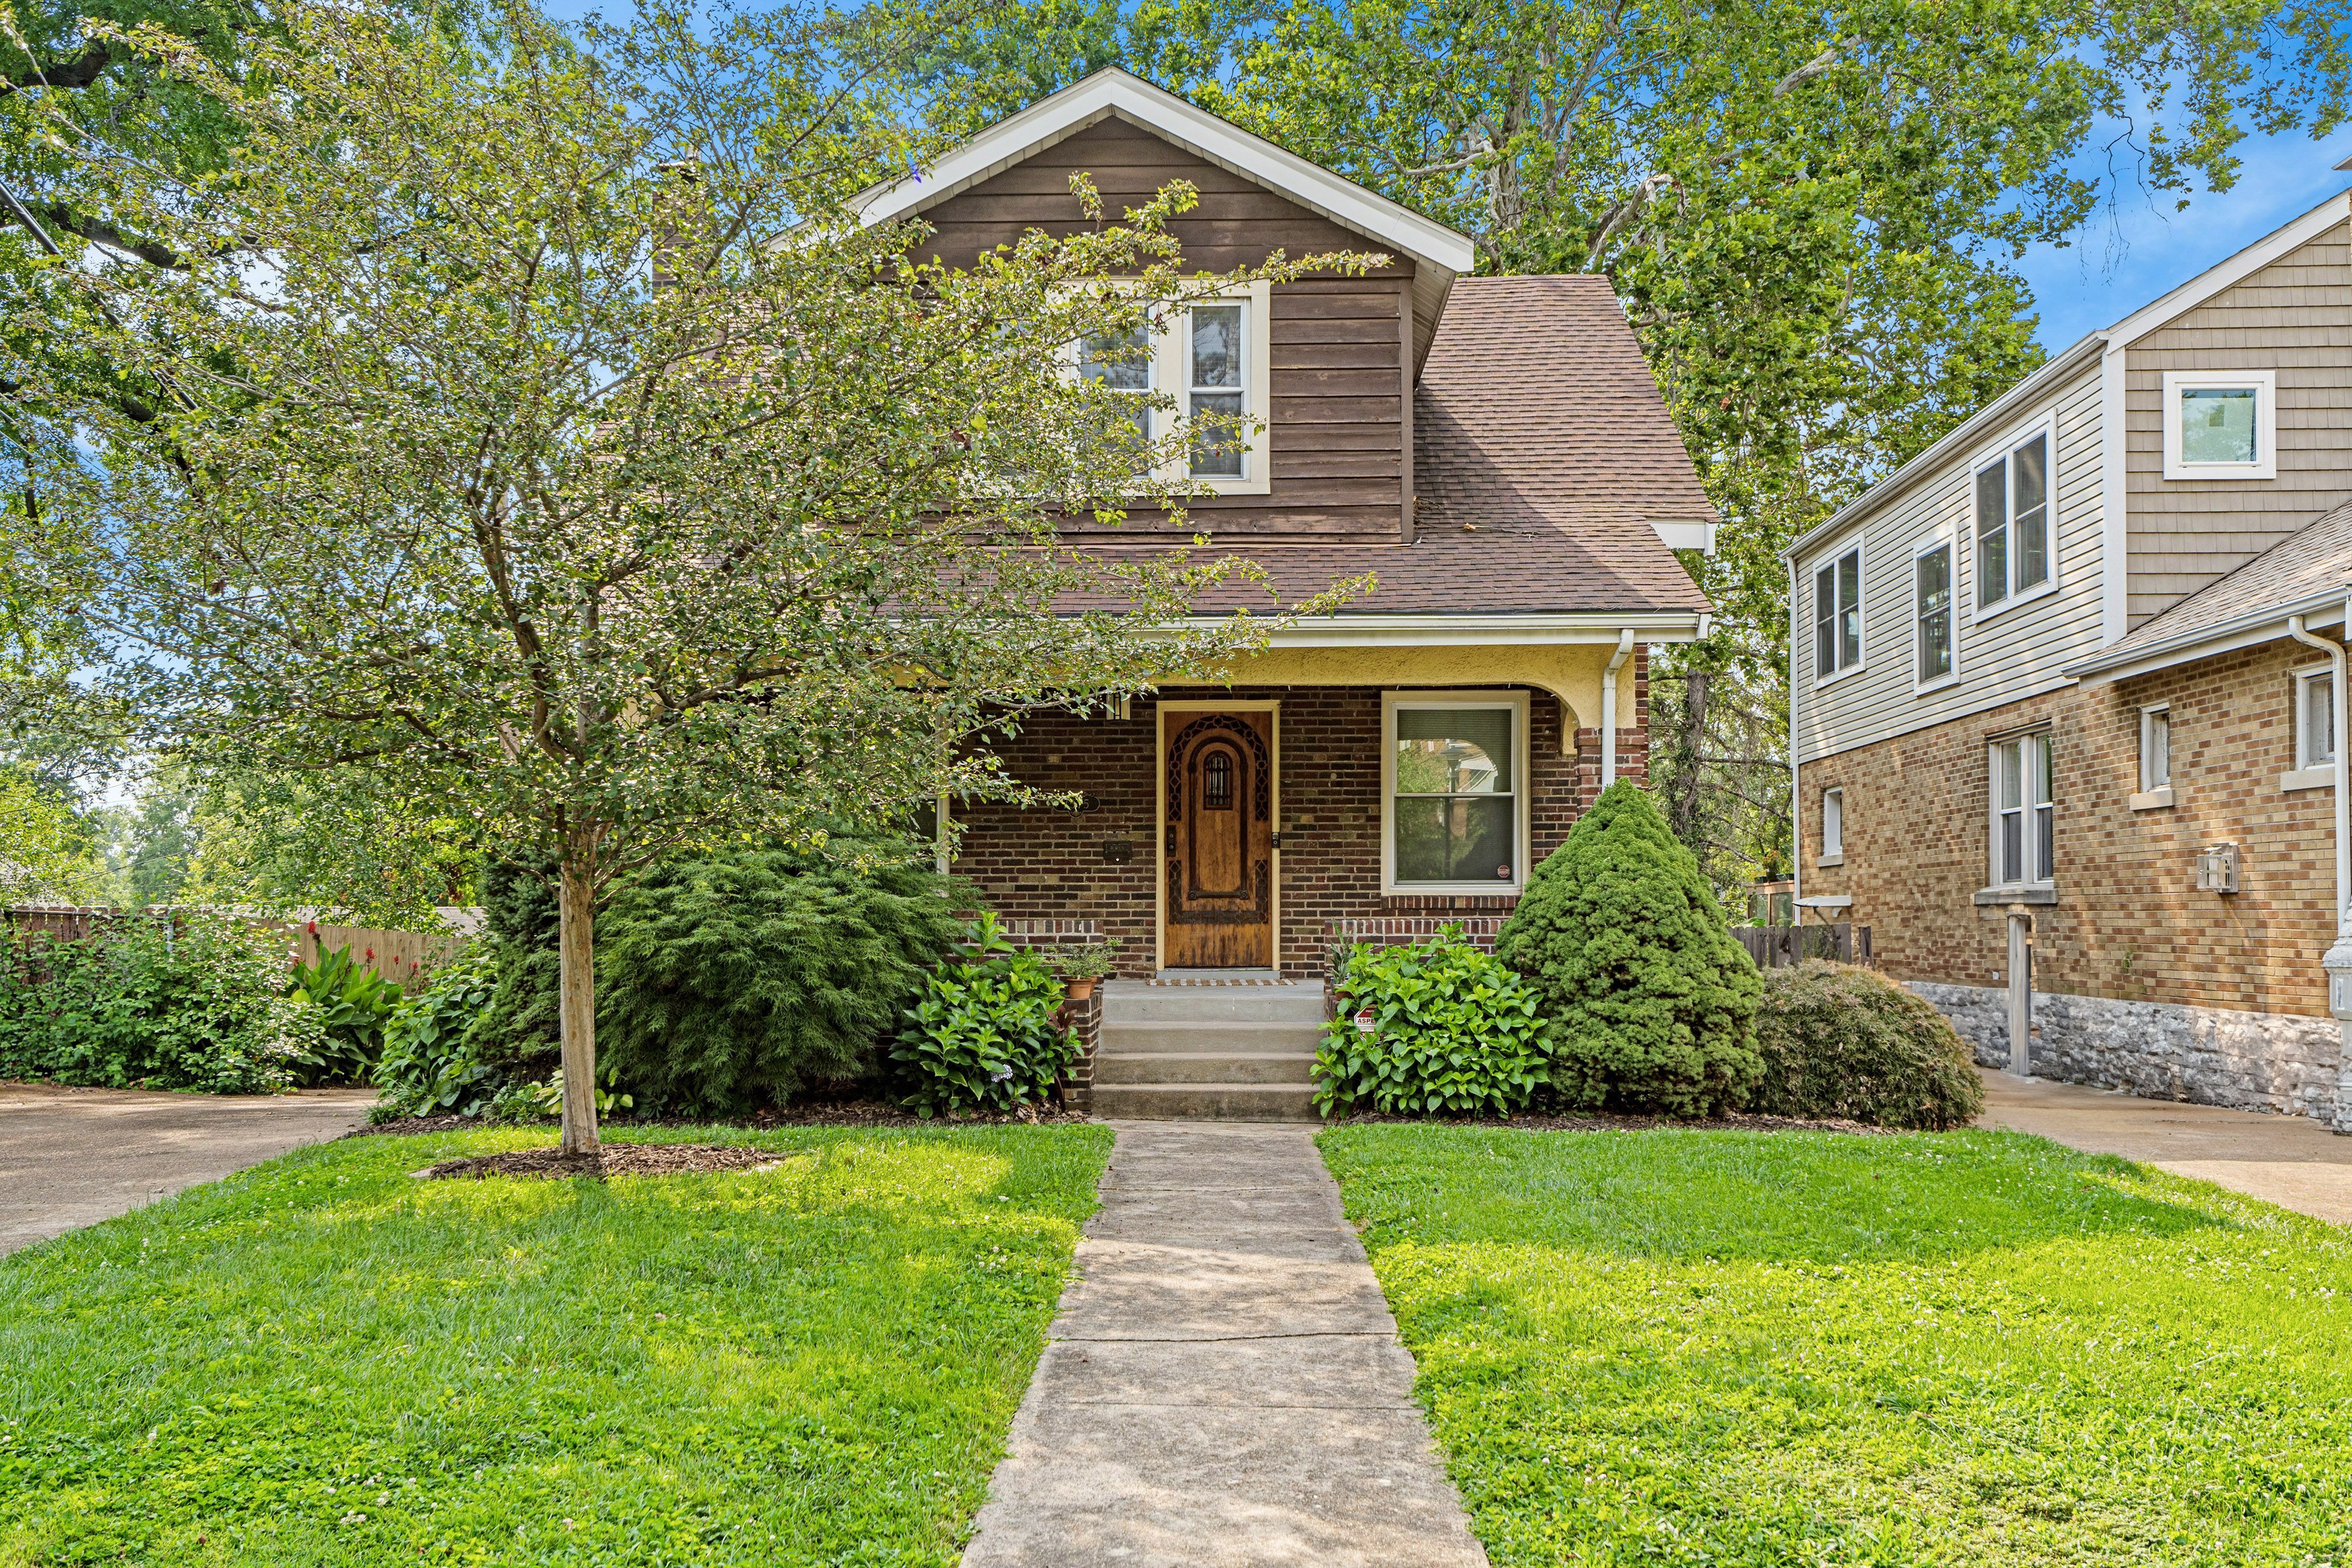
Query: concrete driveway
[[2291, 1161], [74, 1156]]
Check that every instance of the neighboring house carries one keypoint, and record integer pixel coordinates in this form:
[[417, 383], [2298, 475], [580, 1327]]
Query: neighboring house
[[2065, 722], [1494, 450]]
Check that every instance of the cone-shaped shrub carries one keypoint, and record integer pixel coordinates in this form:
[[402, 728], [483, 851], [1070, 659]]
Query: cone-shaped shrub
[[1650, 1001]]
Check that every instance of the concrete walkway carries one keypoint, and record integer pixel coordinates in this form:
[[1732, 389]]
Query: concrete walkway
[[2291, 1161], [1223, 1385], [71, 1157]]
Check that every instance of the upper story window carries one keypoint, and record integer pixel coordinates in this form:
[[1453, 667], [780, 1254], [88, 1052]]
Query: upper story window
[[1837, 615], [2221, 424], [2024, 812], [1210, 358], [2013, 522], [1934, 660]]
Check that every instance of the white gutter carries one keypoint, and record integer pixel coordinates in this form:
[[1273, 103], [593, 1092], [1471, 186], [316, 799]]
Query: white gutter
[[2245, 630], [1608, 708], [1586, 628], [2335, 651]]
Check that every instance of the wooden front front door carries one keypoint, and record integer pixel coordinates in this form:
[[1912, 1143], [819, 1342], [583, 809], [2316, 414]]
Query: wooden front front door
[[1218, 841]]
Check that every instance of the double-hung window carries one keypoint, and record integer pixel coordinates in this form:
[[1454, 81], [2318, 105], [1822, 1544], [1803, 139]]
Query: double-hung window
[[1931, 614], [1837, 614], [2221, 424], [1455, 799], [2024, 813], [2013, 522], [1205, 360]]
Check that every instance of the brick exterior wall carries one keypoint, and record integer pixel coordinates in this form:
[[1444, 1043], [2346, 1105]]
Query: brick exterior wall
[[2129, 923], [1046, 863]]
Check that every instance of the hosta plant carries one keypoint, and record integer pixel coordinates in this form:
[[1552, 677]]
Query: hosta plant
[[1435, 1028], [429, 1067], [983, 1034]]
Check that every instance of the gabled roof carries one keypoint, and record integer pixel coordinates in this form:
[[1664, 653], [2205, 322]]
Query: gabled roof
[[1439, 254], [2302, 575]]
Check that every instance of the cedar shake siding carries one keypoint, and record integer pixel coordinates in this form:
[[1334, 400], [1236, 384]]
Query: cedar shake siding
[[1098, 863], [1340, 425], [2293, 317]]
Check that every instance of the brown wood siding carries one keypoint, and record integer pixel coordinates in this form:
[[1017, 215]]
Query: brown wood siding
[[1337, 432], [2294, 317]]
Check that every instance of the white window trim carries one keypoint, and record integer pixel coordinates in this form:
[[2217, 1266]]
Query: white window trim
[[1992, 830], [1861, 610], [1171, 371], [2306, 776], [1521, 795], [2152, 797], [2265, 387], [1932, 543], [1833, 855], [2045, 424]]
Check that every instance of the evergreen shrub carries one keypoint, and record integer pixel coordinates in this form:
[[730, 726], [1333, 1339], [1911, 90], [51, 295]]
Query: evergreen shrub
[[729, 982], [1649, 1000], [983, 1034], [1454, 1032], [186, 1000], [1839, 1040]]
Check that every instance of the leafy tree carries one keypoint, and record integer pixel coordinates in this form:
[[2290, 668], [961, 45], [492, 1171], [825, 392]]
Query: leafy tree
[[583, 464], [1650, 1001]]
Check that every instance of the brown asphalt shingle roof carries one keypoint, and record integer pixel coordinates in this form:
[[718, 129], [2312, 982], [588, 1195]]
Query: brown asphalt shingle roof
[[1541, 453], [2306, 566]]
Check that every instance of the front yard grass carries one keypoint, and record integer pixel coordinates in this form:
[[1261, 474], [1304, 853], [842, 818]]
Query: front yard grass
[[1977, 1348], [322, 1360]]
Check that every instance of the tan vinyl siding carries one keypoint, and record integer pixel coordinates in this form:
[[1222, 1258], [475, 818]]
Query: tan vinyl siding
[[1339, 429], [2013, 652], [2293, 317]]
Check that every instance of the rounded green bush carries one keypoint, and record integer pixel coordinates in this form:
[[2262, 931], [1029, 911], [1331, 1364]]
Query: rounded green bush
[[1844, 1042], [986, 1032], [1649, 1000], [1454, 1032]]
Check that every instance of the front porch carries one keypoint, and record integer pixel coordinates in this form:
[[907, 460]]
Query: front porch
[[1167, 859]]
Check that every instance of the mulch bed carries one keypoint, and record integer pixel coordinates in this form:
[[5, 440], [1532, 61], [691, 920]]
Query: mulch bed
[[1597, 1122], [816, 1113], [610, 1160]]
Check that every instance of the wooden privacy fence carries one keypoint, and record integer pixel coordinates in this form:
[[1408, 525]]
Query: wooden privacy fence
[[394, 955], [1779, 947]]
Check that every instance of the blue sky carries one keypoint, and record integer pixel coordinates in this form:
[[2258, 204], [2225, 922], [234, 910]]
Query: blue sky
[[2141, 248]]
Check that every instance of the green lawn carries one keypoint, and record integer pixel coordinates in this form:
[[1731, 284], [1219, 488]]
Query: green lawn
[[324, 1361], [1976, 1349]]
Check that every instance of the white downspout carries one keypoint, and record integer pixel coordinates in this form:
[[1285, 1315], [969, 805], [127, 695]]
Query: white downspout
[[2337, 960], [1608, 708], [1796, 800]]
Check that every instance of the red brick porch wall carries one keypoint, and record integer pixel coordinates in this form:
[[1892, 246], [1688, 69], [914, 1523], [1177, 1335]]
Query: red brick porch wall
[[1045, 864]]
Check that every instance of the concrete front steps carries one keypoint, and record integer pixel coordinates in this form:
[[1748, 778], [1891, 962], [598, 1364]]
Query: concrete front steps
[[1215, 1052]]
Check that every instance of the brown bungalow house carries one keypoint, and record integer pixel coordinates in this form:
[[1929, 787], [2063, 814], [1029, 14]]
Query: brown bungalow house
[[1494, 450]]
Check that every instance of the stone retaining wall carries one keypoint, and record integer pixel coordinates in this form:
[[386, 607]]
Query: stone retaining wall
[[2215, 1056]]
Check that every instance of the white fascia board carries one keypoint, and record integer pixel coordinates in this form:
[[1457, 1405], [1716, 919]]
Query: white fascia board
[[2267, 625], [1691, 535], [1113, 91], [1477, 630], [1966, 435], [2234, 269]]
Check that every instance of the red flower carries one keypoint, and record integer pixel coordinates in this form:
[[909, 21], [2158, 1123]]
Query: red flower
[[371, 953]]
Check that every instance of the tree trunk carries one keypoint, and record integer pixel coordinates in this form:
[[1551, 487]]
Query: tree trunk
[[1694, 738], [576, 947]]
